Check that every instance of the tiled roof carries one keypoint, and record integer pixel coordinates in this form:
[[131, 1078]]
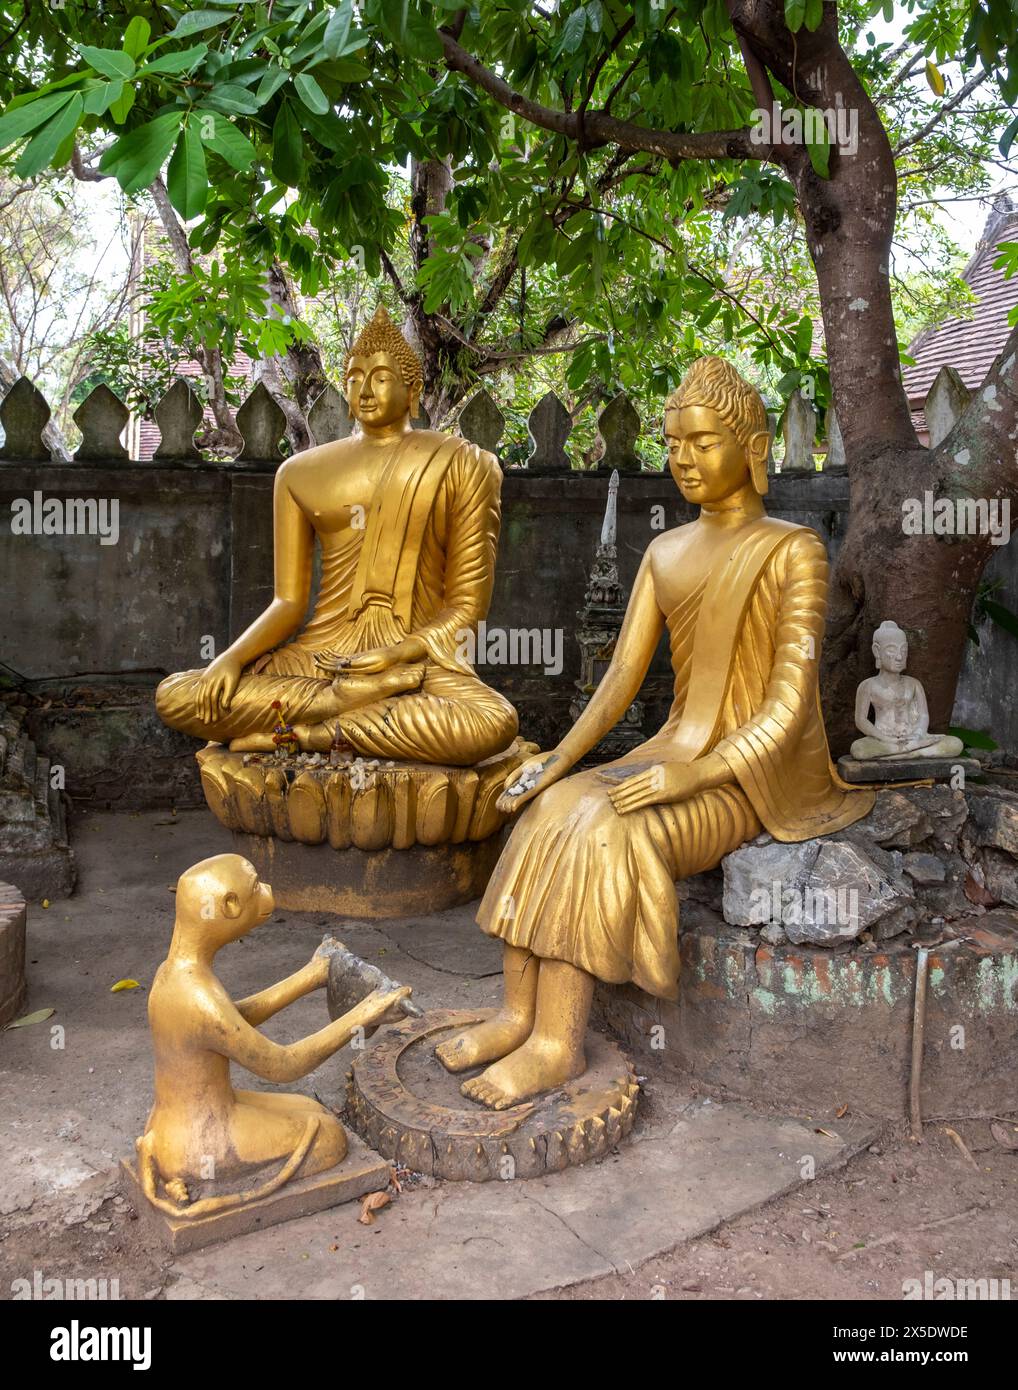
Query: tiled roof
[[970, 345]]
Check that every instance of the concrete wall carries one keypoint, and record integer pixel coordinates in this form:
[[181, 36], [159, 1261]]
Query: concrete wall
[[92, 628]]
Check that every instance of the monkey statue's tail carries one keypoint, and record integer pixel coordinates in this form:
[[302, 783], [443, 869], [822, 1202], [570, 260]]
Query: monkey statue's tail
[[209, 1205]]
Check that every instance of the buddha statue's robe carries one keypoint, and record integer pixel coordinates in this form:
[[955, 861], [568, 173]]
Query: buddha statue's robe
[[440, 496], [581, 883]]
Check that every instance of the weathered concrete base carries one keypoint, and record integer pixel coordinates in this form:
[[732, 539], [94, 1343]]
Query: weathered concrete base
[[812, 1029], [34, 853], [49, 873], [408, 1107], [905, 769], [13, 990], [374, 884], [360, 1172]]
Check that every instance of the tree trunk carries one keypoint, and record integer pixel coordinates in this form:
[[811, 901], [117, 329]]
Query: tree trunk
[[925, 583]]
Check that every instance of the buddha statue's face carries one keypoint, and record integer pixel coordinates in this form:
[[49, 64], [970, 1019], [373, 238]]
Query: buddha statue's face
[[707, 460], [891, 652], [376, 392]]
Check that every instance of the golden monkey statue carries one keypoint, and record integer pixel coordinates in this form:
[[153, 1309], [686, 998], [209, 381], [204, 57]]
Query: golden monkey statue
[[585, 888], [408, 523], [201, 1132]]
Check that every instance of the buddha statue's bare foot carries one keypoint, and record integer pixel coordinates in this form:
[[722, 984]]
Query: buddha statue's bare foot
[[350, 691], [253, 743], [485, 1042], [540, 1064]]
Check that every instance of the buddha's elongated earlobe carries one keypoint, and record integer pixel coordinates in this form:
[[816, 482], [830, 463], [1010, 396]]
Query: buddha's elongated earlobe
[[758, 449]]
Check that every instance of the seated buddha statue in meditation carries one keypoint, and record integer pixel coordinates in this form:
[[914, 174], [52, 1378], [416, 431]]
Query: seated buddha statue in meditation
[[408, 525], [585, 888]]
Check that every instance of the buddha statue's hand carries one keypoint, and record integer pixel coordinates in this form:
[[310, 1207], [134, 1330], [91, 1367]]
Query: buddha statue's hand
[[660, 785], [411, 649], [215, 689], [529, 779]]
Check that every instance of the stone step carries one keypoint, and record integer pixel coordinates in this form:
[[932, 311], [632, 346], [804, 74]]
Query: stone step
[[34, 853]]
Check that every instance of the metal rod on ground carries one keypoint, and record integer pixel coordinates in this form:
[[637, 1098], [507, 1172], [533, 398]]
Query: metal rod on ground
[[918, 1039]]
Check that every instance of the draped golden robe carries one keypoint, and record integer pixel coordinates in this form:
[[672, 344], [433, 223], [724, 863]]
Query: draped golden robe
[[578, 882], [438, 589]]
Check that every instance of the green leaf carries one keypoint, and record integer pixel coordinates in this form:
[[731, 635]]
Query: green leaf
[[17, 123], [795, 14], [108, 61], [572, 32], [814, 14], [1008, 138], [137, 157], [196, 20], [804, 336], [973, 738], [122, 103], [136, 35], [39, 151], [287, 147], [337, 31], [99, 95], [311, 94], [184, 61], [187, 180], [227, 141], [270, 84], [1002, 616], [233, 98], [819, 156]]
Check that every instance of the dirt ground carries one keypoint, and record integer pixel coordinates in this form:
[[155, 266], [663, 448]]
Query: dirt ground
[[893, 1214]]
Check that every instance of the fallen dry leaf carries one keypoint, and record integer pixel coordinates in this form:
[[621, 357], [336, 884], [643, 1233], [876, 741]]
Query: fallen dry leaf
[[39, 1016], [124, 984], [977, 893], [373, 1202], [1005, 1135], [840, 1113]]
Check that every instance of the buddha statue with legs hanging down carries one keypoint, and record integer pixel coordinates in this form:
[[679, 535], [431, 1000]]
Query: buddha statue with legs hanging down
[[585, 888], [408, 525]]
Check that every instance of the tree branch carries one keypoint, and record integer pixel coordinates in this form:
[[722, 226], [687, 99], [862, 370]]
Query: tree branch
[[939, 115], [598, 127]]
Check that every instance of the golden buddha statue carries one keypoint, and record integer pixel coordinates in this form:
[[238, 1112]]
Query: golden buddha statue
[[585, 888], [408, 525]]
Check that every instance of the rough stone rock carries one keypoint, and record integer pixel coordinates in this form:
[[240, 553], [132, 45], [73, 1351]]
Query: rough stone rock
[[895, 820], [759, 876], [946, 810], [993, 819], [1000, 876], [946, 899], [823, 891], [848, 893], [924, 868]]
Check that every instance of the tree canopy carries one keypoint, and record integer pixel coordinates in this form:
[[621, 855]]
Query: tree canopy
[[590, 165]]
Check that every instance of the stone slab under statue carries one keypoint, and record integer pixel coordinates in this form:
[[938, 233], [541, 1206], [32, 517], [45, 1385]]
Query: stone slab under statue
[[213, 1161], [366, 726], [892, 715]]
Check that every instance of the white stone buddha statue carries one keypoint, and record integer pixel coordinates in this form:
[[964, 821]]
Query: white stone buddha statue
[[900, 726]]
